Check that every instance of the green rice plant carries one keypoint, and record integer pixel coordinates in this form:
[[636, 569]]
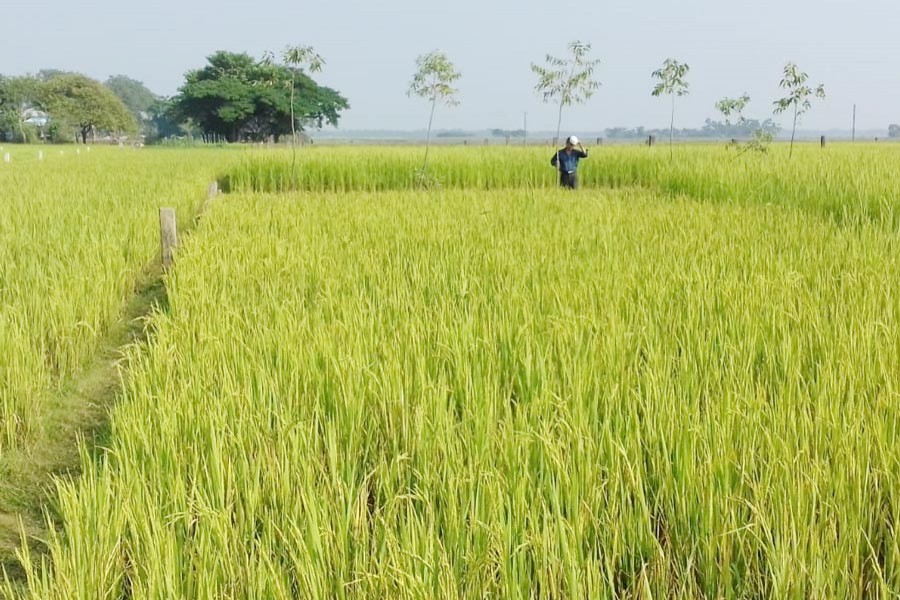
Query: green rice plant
[[76, 231], [848, 183], [506, 394]]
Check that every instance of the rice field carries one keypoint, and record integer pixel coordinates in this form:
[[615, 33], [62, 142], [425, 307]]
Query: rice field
[[76, 230], [849, 183], [681, 381]]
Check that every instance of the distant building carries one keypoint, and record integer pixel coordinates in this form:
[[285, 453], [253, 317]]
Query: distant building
[[33, 116]]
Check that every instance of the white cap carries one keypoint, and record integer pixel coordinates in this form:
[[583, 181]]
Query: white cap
[[572, 140]]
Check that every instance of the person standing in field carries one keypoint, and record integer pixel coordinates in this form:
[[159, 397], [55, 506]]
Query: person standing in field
[[566, 161]]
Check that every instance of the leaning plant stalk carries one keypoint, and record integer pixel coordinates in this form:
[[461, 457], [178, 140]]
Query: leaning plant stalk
[[793, 131], [672, 130], [428, 135], [293, 129]]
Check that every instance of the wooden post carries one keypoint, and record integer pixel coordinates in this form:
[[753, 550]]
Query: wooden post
[[822, 141], [212, 190], [168, 235], [651, 141]]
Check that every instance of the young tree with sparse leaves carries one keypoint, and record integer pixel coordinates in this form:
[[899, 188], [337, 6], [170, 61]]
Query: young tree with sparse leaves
[[296, 58], [433, 80], [672, 79], [568, 81], [799, 96], [733, 107]]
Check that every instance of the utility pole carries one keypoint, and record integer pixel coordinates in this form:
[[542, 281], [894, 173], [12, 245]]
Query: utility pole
[[854, 123]]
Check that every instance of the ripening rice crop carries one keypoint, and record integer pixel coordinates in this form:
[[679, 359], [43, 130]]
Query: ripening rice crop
[[505, 394], [75, 232], [847, 183]]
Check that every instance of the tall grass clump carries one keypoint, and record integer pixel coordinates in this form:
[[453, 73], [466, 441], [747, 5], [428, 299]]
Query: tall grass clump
[[510, 394]]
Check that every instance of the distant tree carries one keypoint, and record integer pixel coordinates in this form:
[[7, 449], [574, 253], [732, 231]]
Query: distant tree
[[433, 81], [624, 133], [162, 123], [894, 131], [567, 81], [672, 79], [295, 59], [799, 96], [760, 141], [16, 94], [505, 133], [136, 98], [233, 96], [454, 133], [86, 104], [761, 134], [733, 107], [710, 130]]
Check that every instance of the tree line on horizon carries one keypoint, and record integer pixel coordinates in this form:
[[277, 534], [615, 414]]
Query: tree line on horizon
[[237, 98], [233, 98]]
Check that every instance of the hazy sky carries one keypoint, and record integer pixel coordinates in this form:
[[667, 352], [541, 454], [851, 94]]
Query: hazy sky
[[849, 45]]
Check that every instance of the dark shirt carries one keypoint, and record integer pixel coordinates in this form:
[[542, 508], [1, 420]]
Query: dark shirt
[[565, 162]]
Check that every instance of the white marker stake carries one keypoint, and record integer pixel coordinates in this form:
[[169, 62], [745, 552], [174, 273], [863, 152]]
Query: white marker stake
[[40, 155], [77, 150], [6, 157]]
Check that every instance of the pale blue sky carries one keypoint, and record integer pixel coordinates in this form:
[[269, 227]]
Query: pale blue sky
[[370, 45]]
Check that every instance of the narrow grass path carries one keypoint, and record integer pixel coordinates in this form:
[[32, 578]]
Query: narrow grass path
[[79, 411], [75, 420]]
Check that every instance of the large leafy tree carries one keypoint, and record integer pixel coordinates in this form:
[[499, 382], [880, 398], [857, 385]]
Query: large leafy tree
[[84, 104], [162, 123], [137, 98], [233, 96]]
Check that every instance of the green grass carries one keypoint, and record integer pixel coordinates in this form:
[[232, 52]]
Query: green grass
[[503, 394]]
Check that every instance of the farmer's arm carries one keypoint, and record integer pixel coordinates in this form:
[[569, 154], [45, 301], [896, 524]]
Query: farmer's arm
[[553, 161], [582, 151]]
